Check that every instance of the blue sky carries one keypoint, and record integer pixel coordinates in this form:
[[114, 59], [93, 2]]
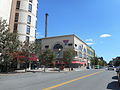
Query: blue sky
[[97, 22]]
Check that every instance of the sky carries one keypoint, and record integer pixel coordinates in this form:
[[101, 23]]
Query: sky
[[96, 22]]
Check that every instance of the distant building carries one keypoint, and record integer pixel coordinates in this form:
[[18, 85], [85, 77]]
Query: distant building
[[21, 15], [58, 44]]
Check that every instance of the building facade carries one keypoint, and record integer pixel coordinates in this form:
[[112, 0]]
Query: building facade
[[58, 44], [21, 16]]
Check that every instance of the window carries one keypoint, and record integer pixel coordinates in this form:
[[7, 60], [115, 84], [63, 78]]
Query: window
[[85, 56], [18, 5], [70, 44], [58, 46], [27, 38], [47, 46], [15, 28], [80, 48], [16, 17], [30, 8], [30, 1], [76, 53], [28, 29], [80, 54], [75, 45], [29, 19], [84, 50]]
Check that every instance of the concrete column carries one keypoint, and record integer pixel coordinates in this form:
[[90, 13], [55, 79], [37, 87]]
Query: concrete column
[[30, 65], [18, 64]]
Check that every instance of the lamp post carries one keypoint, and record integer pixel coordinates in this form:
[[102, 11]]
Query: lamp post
[[59, 50]]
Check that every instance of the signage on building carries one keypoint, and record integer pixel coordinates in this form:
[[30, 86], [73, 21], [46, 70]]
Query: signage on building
[[65, 42]]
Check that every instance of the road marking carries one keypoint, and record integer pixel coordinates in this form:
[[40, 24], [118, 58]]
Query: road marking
[[58, 85]]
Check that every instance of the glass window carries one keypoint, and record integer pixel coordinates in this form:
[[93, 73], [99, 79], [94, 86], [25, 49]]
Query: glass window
[[75, 45], [84, 50], [76, 53], [58, 46], [29, 19], [80, 48], [18, 5], [28, 29], [15, 27], [30, 1], [16, 17], [80, 54], [47, 46], [85, 56], [27, 38], [30, 8], [70, 44]]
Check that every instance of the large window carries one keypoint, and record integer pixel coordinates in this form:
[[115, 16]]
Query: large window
[[16, 17], [18, 5], [30, 1], [27, 38], [28, 29], [84, 50], [29, 19], [30, 8], [80, 48], [15, 28], [80, 55], [70, 44], [58, 46], [46, 46]]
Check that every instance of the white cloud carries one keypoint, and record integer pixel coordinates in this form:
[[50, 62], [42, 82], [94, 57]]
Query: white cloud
[[90, 40], [89, 43], [105, 35]]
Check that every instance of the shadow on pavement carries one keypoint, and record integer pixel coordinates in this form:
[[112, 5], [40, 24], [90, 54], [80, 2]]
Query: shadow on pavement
[[115, 77], [113, 86]]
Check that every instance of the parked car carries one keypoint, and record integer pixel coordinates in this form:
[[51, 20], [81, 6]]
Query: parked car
[[97, 67], [110, 67], [118, 74]]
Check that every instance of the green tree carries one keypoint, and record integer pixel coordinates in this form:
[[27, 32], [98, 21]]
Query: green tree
[[47, 57], [9, 44], [68, 56]]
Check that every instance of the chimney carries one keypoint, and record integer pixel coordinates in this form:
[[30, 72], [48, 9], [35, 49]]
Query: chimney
[[46, 24]]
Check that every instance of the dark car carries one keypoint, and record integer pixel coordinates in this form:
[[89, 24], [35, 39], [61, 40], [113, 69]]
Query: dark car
[[118, 74]]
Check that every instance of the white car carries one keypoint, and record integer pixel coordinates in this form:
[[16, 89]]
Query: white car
[[110, 67]]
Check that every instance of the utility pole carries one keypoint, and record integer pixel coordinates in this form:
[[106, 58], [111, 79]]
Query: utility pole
[[46, 24]]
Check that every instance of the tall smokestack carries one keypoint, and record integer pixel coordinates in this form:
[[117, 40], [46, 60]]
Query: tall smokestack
[[46, 24]]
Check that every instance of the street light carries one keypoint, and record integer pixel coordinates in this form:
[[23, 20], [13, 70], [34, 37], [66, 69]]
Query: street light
[[59, 50]]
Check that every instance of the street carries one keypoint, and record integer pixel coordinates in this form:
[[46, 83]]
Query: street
[[76, 80]]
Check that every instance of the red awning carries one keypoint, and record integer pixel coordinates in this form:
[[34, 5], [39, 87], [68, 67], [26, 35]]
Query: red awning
[[78, 62], [21, 56], [33, 58]]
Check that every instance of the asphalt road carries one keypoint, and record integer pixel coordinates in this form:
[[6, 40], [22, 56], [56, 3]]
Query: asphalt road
[[76, 80]]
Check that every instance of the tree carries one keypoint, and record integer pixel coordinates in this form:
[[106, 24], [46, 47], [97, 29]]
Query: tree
[[9, 44], [98, 61], [116, 61], [68, 56], [47, 57]]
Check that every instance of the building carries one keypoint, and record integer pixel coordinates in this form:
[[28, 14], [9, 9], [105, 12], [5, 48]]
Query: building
[[21, 16], [58, 44]]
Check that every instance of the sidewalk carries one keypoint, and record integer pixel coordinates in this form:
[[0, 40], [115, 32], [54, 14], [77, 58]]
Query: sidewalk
[[55, 70], [42, 70]]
